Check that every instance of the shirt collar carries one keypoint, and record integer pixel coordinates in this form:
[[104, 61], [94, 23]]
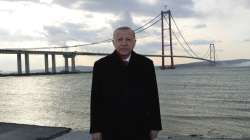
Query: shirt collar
[[127, 59]]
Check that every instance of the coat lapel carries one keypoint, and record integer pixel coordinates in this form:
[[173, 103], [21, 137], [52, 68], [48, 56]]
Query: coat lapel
[[119, 62]]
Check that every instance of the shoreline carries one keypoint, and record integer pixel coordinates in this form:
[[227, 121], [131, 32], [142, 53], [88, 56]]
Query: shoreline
[[81, 135], [41, 73], [16, 131]]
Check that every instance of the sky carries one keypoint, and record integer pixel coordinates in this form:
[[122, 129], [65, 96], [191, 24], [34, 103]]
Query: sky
[[55, 23]]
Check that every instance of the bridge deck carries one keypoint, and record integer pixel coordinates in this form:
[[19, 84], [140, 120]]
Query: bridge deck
[[9, 51]]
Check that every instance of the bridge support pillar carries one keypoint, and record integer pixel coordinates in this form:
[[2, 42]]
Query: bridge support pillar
[[27, 64], [212, 52], [66, 57], [73, 64], [46, 61], [53, 63], [19, 63], [66, 64]]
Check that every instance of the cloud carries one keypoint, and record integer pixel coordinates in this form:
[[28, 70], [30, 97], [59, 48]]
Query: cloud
[[60, 35], [205, 42], [247, 40], [148, 48], [181, 8], [22, 0], [6, 11], [17, 39], [35, 1], [7, 36], [4, 32], [199, 26], [56, 35], [68, 3], [248, 3], [242, 3], [125, 19], [201, 42]]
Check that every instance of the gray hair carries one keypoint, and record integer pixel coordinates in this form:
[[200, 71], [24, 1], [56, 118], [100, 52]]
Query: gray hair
[[124, 28]]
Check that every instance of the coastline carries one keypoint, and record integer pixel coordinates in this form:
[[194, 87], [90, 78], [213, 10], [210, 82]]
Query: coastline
[[81, 135], [15, 131], [42, 73]]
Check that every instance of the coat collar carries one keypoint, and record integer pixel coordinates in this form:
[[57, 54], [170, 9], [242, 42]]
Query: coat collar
[[116, 58]]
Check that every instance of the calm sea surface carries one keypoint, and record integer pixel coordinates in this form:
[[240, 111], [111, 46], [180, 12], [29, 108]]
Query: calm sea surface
[[213, 102]]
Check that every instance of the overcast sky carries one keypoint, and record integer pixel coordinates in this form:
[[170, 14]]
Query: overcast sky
[[49, 23]]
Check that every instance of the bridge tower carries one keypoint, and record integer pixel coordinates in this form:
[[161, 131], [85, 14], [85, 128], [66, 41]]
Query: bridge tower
[[163, 45], [212, 52], [66, 56]]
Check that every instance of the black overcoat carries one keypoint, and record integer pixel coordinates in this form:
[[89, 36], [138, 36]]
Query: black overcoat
[[124, 98]]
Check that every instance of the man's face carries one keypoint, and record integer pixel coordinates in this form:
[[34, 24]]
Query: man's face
[[124, 42]]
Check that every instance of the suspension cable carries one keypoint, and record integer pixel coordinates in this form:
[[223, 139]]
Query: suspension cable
[[148, 26], [137, 30], [179, 40], [188, 45], [147, 23], [206, 54]]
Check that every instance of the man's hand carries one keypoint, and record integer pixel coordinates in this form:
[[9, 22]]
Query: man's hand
[[97, 136], [153, 134]]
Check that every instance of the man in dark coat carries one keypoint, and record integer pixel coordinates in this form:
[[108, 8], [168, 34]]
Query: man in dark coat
[[124, 94]]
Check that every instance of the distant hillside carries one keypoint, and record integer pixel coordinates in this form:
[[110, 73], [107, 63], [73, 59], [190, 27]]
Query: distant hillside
[[224, 63], [235, 63]]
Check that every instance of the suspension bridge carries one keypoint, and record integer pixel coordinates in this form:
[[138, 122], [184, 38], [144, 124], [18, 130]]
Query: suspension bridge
[[167, 22]]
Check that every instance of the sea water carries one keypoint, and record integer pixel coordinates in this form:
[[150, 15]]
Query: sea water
[[211, 101]]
